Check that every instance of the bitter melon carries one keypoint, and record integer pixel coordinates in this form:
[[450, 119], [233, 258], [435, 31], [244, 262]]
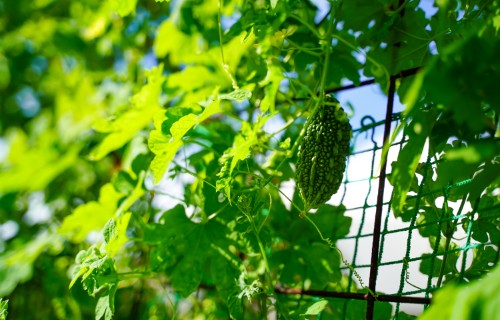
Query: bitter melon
[[322, 154]]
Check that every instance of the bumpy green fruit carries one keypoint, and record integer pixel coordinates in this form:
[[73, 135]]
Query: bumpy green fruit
[[322, 154]]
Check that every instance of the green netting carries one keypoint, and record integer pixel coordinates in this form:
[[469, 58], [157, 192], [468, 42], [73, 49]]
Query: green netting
[[444, 253]]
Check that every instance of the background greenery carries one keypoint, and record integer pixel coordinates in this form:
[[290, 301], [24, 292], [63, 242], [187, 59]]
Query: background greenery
[[100, 100]]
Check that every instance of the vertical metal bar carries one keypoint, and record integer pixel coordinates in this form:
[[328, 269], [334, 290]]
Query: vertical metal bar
[[380, 202]]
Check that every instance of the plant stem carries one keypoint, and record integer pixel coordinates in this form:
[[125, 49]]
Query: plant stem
[[224, 65], [134, 196], [328, 47], [449, 236]]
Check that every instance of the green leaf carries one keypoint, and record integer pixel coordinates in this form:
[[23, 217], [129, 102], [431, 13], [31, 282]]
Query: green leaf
[[482, 263], [315, 308], [225, 277], [485, 226], [16, 266], [165, 147], [32, 168], [109, 230], [181, 48], [4, 72], [405, 316], [315, 262], [476, 300], [161, 258], [237, 95], [124, 7], [460, 163], [332, 221], [105, 307], [94, 214], [403, 170], [96, 272], [187, 274], [243, 143], [174, 226], [484, 177], [123, 182], [271, 86], [240, 150], [427, 220], [3, 309], [356, 309], [117, 235], [145, 104], [343, 66], [412, 94], [194, 78], [357, 14], [458, 70], [184, 247], [449, 268]]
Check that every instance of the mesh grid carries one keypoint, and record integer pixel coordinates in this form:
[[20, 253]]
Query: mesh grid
[[402, 248]]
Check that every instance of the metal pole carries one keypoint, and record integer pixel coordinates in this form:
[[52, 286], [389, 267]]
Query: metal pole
[[380, 203]]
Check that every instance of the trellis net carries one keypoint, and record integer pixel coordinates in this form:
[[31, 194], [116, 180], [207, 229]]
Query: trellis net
[[401, 259]]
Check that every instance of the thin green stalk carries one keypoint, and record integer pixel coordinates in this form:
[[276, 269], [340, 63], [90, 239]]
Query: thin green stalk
[[321, 86], [311, 28], [201, 144], [407, 274], [284, 195], [268, 213], [134, 196], [347, 264], [224, 65], [194, 174], [329, 242], [412, 35], [448, 242], [163, 193], [353, 47], [261, 246], [303, 49], [328, 48], [269, 287]]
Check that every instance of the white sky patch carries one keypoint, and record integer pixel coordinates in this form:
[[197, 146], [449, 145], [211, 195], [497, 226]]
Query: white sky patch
[[428, 7], [38, 210], [8, 230], [28, 102], [4, 149], [94, 237], [323, 8], [228, 21], [287, 188]]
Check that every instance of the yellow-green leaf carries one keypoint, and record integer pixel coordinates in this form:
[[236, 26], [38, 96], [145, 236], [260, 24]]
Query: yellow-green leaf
[[33, 168], [124, 7], [181, 47], [91, 216], [119, 235], [144, 106], [165, 147], [237, 95]]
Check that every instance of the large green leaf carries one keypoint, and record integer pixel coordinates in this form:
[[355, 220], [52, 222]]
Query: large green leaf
[[165, 147], [94, 213], [463, 83], [403, 170], [31, 168], [145, 104], [476, 300]]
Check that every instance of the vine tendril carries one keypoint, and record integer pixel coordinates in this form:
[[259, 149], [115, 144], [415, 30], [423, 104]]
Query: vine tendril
[[347, 264]]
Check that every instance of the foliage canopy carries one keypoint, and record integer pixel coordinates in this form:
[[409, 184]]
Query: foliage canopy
[[104, 103]]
